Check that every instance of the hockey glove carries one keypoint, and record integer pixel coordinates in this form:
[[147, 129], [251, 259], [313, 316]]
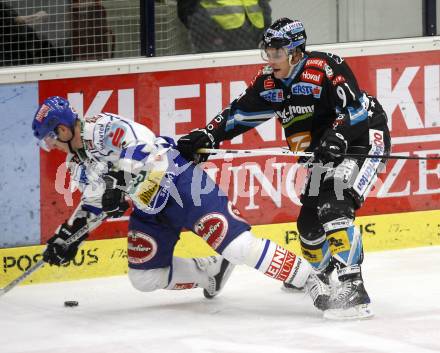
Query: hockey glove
[[189, 144], [113, 200], [332, 147], [58, 252]]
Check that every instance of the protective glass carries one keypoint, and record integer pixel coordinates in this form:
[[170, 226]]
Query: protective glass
[[275, 55], [47, 143]]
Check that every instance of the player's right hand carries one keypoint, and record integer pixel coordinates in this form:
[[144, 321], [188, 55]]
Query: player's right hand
[[113, 200], [58, 252], [189, 144]]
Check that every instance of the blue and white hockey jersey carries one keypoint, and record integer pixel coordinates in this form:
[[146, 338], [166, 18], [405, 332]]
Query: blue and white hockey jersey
[[114, 143]]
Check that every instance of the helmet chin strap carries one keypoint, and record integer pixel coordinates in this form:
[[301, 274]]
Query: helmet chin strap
[[292, 66]]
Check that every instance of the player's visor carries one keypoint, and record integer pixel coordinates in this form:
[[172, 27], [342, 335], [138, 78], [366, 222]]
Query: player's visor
[[275, 55], [47, 143]]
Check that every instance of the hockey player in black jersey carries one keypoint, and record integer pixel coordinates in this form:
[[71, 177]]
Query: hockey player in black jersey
[[317, 100]]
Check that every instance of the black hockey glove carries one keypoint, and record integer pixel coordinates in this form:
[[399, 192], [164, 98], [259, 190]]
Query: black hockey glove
[[331, 147], [58, 252], [113, 200], [189, 144]]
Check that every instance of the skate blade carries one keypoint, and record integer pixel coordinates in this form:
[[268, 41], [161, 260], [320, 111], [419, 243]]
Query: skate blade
[[358, 312], [292, 289]]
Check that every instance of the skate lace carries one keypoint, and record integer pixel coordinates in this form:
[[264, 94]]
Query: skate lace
[[345, 290], [316, 287]]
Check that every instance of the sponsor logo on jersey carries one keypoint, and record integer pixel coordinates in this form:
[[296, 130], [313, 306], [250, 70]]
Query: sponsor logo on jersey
[[99, 136], [141, 247], [312, 255], [312, 76], [299, 142], [338, 79], [281, 265], [212, 227], [319, 63], [329, 72], [339, 242], [42, 113], [367, 173], [301, 109], [269, 83], [306, 89], [115, 137], [273, 95], [340, 120], [340, 223], [180, 286]]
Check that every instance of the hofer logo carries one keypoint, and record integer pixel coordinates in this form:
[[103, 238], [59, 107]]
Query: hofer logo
[[319, 63]]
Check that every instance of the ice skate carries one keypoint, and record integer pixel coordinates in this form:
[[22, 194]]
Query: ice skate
[[324, 276], [318, 288], [350, 301], [219, 270], [291, 288]]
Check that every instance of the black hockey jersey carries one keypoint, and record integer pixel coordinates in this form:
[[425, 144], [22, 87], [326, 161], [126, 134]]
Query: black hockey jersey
[[320, 93]]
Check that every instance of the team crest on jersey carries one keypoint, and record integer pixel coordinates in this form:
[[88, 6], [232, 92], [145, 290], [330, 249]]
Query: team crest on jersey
[[141, 247], [306, 89], [273, 95], [213, 228]]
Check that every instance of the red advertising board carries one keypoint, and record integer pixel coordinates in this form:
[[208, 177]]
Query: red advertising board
[[265, 189]]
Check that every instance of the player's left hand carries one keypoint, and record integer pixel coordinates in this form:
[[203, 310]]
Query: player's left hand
[[58, 252], [331, 148]]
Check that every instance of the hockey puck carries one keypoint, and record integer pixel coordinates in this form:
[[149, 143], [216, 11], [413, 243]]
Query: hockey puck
[[70, 303]]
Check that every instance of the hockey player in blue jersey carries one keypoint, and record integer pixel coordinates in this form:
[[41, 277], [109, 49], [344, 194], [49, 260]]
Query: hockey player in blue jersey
[[111, 157]]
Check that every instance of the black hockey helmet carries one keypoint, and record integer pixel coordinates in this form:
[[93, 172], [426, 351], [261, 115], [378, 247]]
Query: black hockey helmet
[[285, 33]]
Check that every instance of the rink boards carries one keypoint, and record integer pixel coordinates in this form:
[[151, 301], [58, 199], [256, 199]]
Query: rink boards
[[173, 95], [108, 257]]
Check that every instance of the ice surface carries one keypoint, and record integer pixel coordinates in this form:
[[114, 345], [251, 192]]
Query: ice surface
[[251, 315]]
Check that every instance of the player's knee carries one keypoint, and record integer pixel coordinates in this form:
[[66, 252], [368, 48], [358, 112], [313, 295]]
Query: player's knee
[[149, 280], [332, 211], [243, 249]]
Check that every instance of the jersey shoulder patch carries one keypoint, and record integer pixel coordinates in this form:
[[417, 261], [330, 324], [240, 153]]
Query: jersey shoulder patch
[[267, 70], [261, 75], [320, 61]]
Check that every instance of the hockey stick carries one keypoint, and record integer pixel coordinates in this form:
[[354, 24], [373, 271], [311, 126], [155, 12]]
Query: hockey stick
[[284, 152], [94, 223]]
